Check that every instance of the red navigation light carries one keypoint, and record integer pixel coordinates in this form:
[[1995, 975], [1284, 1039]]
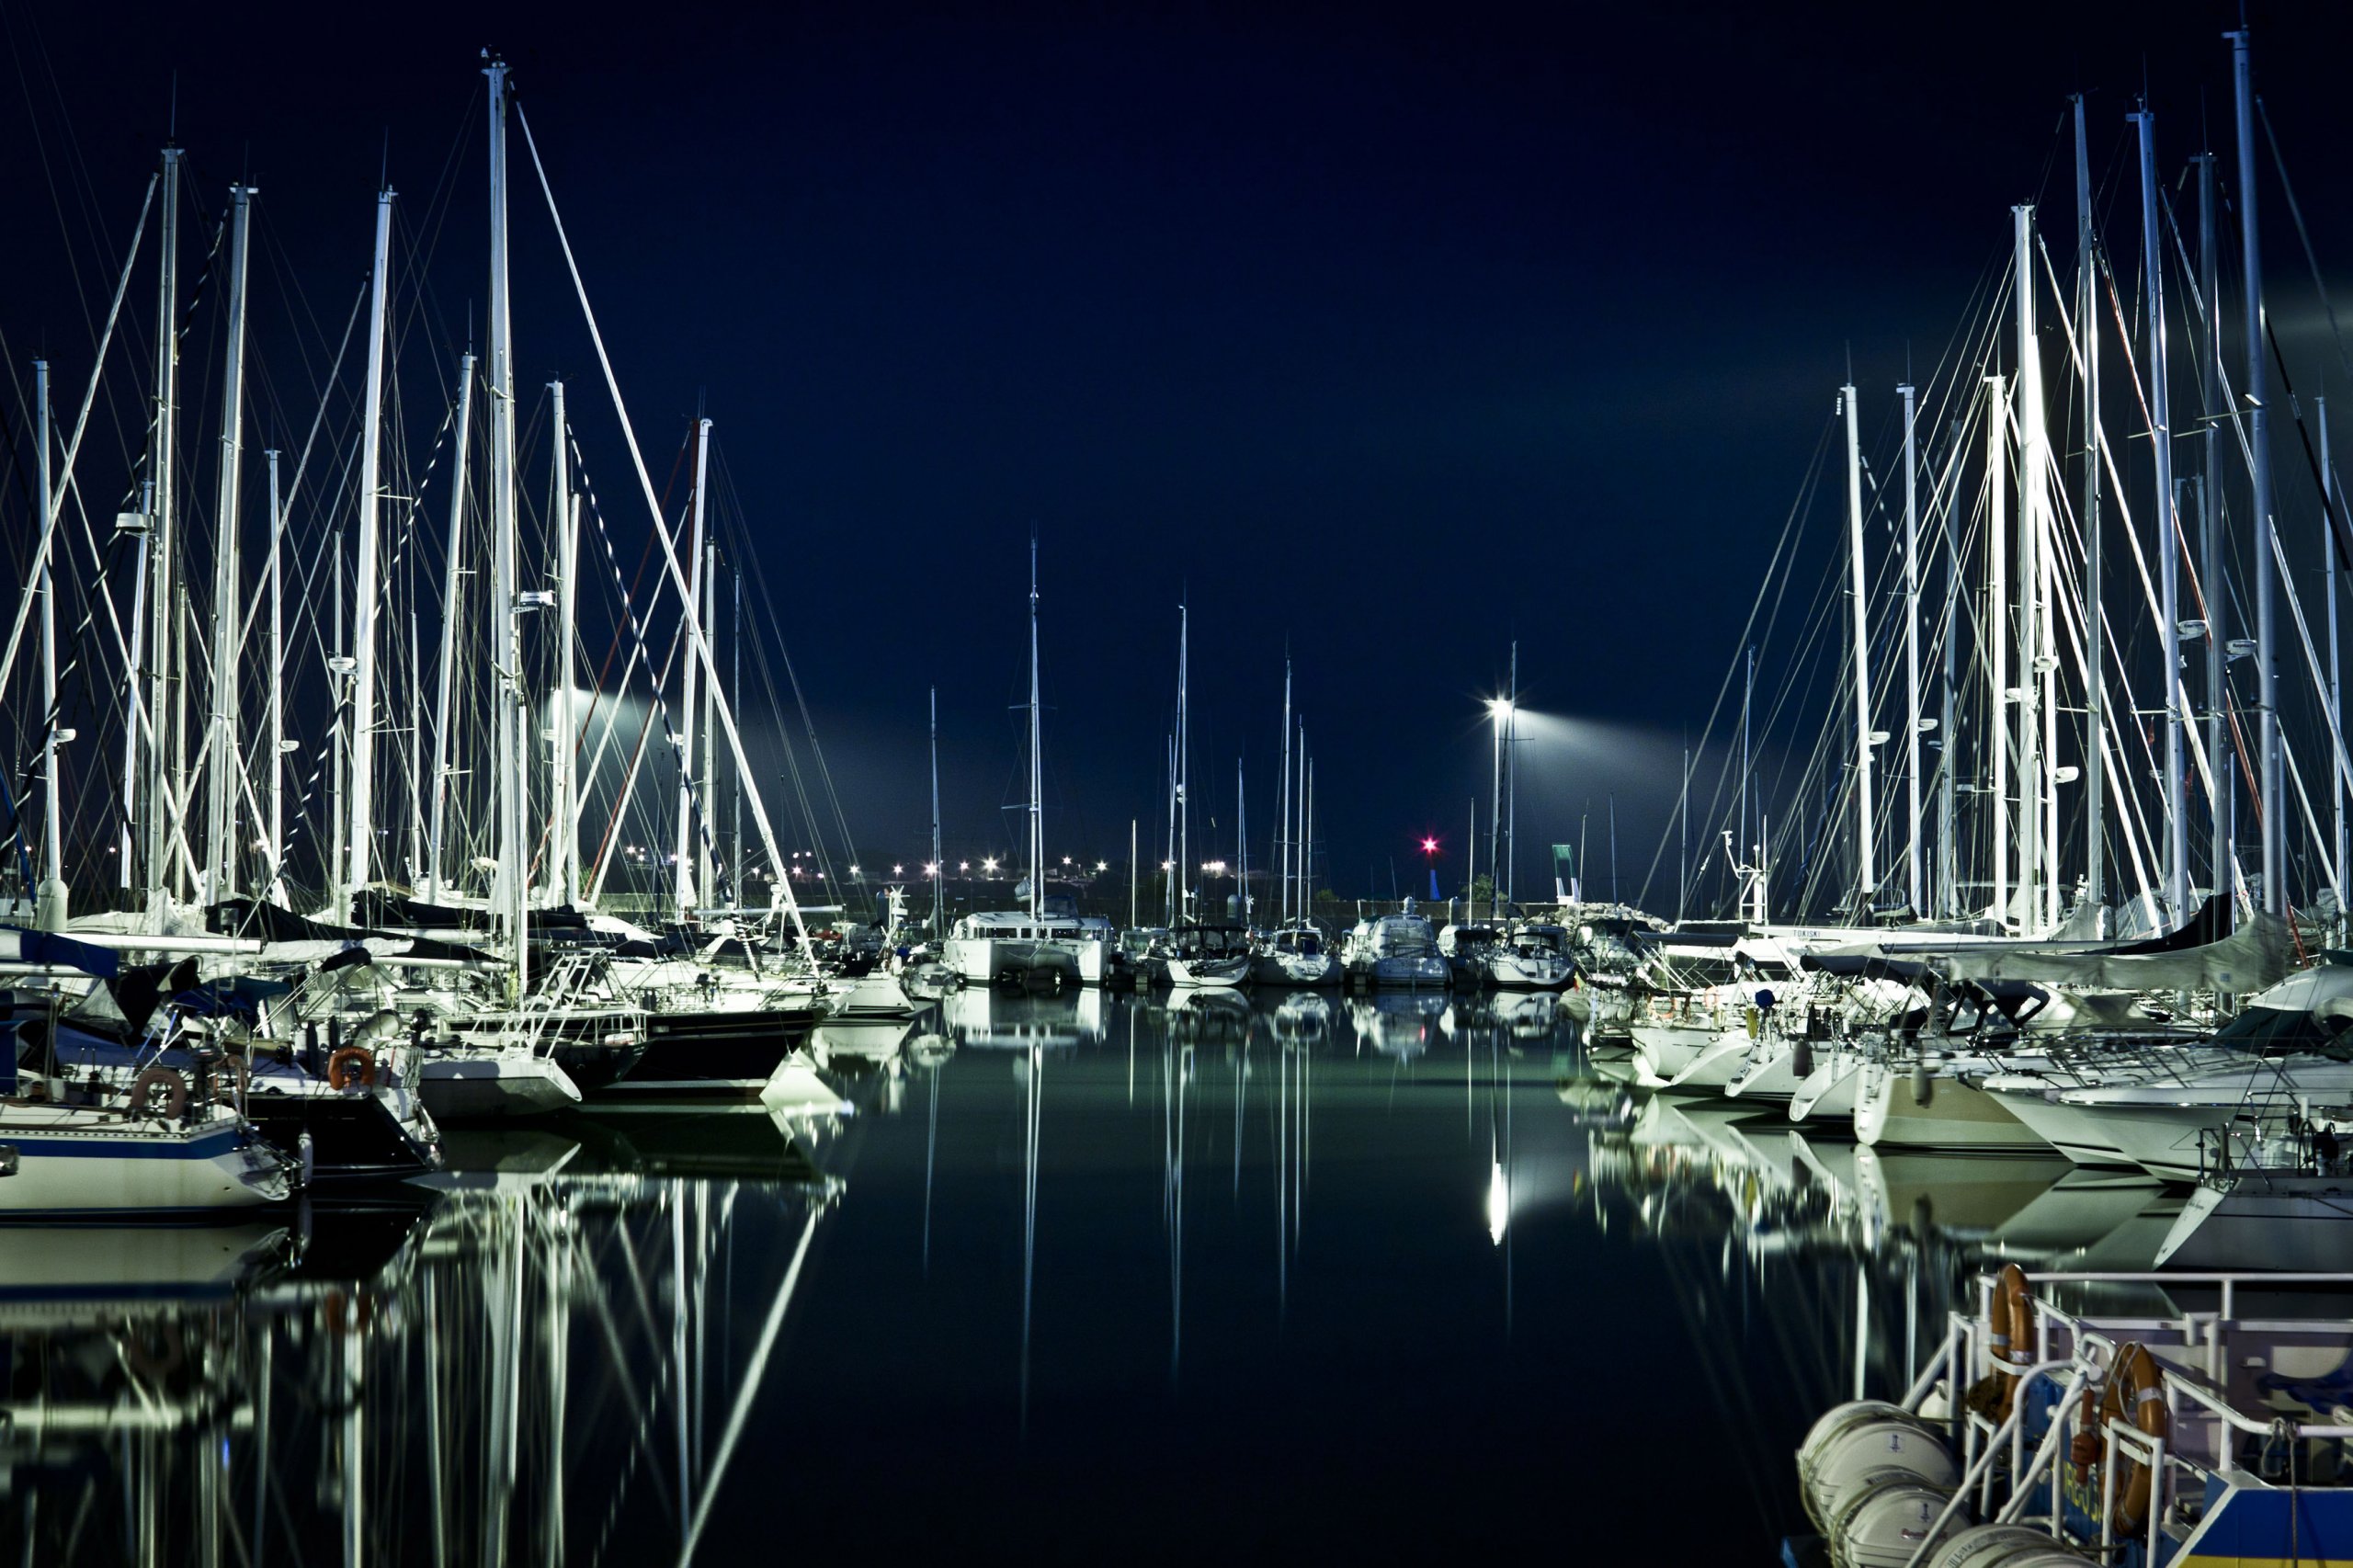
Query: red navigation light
[[1429, 846]]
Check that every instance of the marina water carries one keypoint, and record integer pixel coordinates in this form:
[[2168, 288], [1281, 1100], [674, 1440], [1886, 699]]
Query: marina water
[[1081, 1275]]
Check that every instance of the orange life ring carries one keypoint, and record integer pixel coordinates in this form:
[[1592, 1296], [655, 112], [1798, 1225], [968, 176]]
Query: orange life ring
[[2010, 1341], [352, 1064], [2135, 1395], [174, 1087]]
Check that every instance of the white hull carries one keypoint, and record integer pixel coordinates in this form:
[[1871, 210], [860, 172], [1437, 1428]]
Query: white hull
[[1511, 972], [492, 1086], [79, 1159], [1210, 974], [1891, 1113], [1297, 970], [1418, 974], [983, 960], [2075, 1132], [2261, 1219]]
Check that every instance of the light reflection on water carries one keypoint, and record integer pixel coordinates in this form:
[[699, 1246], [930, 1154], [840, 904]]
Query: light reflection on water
[[1271, 1276]]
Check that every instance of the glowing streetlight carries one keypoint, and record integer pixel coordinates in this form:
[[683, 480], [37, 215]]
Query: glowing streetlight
[[931, 868], [989, 865], [963, 866]]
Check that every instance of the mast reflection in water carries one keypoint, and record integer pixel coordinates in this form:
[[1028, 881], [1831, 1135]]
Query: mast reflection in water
[[1446, 1286]]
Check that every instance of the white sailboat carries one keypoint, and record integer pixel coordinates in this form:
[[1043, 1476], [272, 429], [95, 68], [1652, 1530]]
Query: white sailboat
[[1041, 946]]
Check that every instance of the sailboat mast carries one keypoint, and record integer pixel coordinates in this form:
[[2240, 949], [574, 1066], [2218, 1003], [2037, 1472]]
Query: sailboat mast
[[736, 795], [1037, 773], [512, 902], [2259, 399], [359, 799], [1184, 765], [1511, 783], [453, 575], [1949, 755], [1866, 881], [939, 869], [2329, 504], [277, 691], [2168, 547], [682, 850], [48, 897], [1996, 633], [228, 610], [1283, 834], [1241, 843], [1911, 659], [2209, 543], [704, 839], [2095, 626], [162, 598], [2037, 882], [564, 515]]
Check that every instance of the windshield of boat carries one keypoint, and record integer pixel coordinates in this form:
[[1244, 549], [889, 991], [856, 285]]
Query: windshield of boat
[[2271, 1031]]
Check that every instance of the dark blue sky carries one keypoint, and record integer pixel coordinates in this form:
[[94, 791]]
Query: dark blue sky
[[1387, 336]]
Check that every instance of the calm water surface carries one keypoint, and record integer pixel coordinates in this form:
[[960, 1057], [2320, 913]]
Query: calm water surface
[[1082, 1278]]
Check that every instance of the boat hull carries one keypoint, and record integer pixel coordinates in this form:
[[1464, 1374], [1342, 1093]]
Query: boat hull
[[76, 1161]]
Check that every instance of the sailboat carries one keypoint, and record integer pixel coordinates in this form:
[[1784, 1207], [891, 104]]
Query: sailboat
[[1048, 945]]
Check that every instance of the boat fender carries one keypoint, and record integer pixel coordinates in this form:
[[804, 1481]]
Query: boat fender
[[174, 1087], [352, 1064], [1924, 1085]]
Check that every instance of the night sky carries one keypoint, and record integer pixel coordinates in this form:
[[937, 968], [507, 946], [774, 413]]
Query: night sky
[[1383, 336]]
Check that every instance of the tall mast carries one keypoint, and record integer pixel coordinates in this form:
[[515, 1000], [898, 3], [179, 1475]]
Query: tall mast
[[2038, 882], [129, 838], [1184, 819], [1911, 661], [1996, 623], [1241, 843], [510, 902], [1949, 755], [50, 910], [2095, 627], [736, 795], [2329, 503], [453, 578], [1867, 880], [277, 691], [683, 850], [1169, 891], [1747, 707], [1037, 773], [563, 512], [228, 590], [1308, 864], [939, 868], [163, 599], [2168, 546], [704, 840], [2209, 545], [2259, 399], [361, 799], [1511, 784], [339, 665], [1283, 834]]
